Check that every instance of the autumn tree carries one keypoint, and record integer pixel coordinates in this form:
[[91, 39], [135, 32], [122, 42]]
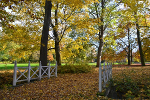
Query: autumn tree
[[136, 7], [124, 36], [100, 12], [63, 16], [59, 23], [23, 30], [45, 32]]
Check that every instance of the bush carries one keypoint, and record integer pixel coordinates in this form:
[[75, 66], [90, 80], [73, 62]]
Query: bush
[[80, 68]]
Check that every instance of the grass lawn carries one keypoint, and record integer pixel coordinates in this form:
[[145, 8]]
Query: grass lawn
[[94, 64], [11, 66], [132, 82]]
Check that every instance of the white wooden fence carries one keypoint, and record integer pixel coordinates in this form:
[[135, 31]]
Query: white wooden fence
[[48, 70], [105, 75]]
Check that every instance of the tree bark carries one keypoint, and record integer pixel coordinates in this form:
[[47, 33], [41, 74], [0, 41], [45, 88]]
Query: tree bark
[[140, 46], [101, 32], [129, 62], [100, 48], [131, 53], [57, 48], [45, 32]]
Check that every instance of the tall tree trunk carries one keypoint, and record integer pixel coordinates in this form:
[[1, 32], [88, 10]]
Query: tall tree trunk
[[131, 53], [100, 48], [45, 32], [140, 46], [101, 33], [57, 48], [139, 40], [129, 47]]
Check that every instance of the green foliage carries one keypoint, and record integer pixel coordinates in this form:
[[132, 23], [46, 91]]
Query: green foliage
[[127, 87], [79, 68], [130, 86]]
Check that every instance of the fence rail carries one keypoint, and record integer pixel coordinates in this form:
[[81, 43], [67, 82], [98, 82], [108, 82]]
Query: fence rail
[[48, 70], [105, 75]]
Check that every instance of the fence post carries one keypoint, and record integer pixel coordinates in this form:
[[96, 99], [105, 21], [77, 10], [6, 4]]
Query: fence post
[[100, 78], [104, 72], [111, 70], [40, 71], [107, 70], [29, 67], [56, 69], [49, 70], [15, 74]]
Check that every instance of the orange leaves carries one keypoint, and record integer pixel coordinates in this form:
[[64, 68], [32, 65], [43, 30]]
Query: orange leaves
[[50, 57], [63, 87], [78, 86]]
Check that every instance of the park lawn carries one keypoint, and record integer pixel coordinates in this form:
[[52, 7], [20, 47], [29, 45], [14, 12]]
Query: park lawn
[[11, 66], [84, 86], [94, 64]]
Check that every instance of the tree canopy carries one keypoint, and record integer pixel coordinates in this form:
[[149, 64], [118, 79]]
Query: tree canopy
[[74, 31]]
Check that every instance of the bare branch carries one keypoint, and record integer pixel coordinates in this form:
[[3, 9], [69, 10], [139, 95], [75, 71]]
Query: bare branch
[[145, 26], [52, 25], [123, 42], [70, 14], [146, 51], [50, 49], [93, 44], [144, 38], [63, 33]]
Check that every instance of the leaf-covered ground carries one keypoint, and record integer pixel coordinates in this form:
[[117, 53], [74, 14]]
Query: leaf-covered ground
[[76, 86]]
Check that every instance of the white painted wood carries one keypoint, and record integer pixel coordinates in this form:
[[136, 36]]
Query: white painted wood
[[49, 67], [22, 74], [107, 72], [100, 78], [29, 67], [105, 75], [40, 71], [52, 71], [15, 74], [34, 72]]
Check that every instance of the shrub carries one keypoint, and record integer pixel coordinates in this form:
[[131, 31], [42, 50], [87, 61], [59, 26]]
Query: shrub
[[79, 68]]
